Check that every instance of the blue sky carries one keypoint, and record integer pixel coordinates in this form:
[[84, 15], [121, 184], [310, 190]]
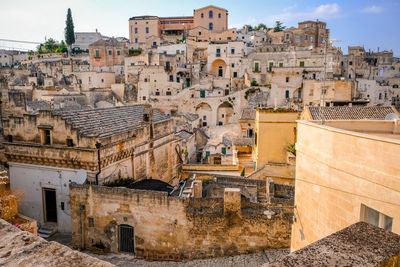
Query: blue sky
[[354, 22]]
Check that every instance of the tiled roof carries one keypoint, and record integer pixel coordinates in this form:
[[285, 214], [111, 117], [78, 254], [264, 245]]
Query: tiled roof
[[105, 122], [108, 42], [360, 244], [38, 105], [350, 113]]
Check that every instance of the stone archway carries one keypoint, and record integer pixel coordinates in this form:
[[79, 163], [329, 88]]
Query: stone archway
[[218, 67], [204, 111], [224, 113]]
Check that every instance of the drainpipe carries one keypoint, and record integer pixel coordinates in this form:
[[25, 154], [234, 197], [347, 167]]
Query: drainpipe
[[98, 146]]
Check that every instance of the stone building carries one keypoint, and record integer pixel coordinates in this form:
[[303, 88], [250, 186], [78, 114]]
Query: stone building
[[84, 39], [275, 130], [143, 27], [180, 223], [212, 18], [108, 55], [49, 150], [346, 171]]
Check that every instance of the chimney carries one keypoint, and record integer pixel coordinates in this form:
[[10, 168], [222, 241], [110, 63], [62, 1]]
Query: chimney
[[232, 201], [197, 189]]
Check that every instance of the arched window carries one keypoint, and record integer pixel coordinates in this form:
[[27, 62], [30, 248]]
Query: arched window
[[202, 15], [210, 14], [210, 26]]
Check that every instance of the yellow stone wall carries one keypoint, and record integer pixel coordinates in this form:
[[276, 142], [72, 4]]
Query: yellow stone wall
[[275, 131], [339, 170]]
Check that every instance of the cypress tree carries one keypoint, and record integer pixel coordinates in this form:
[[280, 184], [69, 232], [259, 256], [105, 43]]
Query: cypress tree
[[69, 29]]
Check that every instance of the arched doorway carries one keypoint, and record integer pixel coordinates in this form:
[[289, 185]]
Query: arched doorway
[[218, 67], [224, 113], [126, 238], [205, 112]]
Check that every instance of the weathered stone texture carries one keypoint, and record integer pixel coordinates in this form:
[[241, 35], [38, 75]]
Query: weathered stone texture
[[190, 228]]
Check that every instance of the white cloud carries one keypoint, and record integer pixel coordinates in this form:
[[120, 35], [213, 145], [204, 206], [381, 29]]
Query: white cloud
[[289, 17], [372, 9]]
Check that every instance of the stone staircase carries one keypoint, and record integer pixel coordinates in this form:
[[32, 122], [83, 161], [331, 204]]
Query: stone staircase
[[47, 230]]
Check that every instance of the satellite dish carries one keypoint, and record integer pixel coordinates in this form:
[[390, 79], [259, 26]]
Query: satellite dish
[[81, 176], [391, 117]]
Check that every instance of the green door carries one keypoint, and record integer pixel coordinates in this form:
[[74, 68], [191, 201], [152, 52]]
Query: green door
[[271, 64], [202, 94], [256, 67], [223, 150]]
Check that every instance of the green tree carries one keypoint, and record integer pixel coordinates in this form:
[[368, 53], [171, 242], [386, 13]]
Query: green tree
[[249, 27], [279, 26], [69, 29], [261, 27], [51, 45]]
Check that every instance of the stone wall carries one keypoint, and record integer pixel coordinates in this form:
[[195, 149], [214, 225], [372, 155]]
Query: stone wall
[[165, 225]]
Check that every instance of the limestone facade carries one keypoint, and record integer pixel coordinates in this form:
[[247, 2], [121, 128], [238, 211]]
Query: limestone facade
[[167, 225], [346, 171]]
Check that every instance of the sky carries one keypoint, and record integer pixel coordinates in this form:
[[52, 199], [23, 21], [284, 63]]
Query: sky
[[369, 23]]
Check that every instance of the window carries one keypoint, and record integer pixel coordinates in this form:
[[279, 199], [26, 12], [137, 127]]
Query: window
[[376, 218], [223, 115], [118, 52], [157, 93], [287, 94], [234, 74], [204, 117], [110, 52], [321, 40], [287, 36], [219, 15], [311, 39], [395, 86], [46, 137], [223, 150], [178, 79], [256, 66], [10, 138], [102, 80], [136, 40], [144, 98], [218, 52], [301, 63], [171, 78], [220, 71], [280, 65], [287, 79], [306, 37], [154, 43], [350, 62], [282, 49], [274, 49], [210, 26], [380, 96], [233, 51], [202, 15], [168, 92], [70, 142], [97, 53], [147, 29], [210, 14], [136, 30], [298, 38]]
